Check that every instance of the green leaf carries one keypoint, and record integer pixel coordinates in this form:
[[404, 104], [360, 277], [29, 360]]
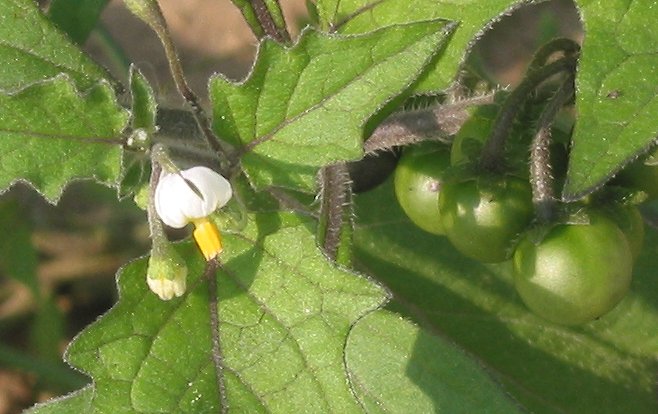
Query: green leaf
[[284, 315], [77, 18], [617, 99], [78, 402], [473, 18], [32, 49], [144, 104], [305, 107], [50, 135], [607, 366], [398, 368]]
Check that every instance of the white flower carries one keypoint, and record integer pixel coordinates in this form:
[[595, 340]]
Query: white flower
[[179, 202]]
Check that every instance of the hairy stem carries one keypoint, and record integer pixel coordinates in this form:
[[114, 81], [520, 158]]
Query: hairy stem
[[492, 157], [541, 178], [210, 273], [408, 127], [336, 197], [267, 22], [562, 44]]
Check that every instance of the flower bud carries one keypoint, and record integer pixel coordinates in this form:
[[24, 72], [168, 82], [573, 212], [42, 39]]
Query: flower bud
[[166, 273]]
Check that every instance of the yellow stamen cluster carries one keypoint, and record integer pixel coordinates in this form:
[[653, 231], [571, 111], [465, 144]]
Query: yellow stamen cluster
[[208, 238]]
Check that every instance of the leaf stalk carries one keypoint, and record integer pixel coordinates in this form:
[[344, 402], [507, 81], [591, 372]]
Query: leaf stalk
[[541, 177]]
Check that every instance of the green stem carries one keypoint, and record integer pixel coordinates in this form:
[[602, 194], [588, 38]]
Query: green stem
[[158, 237], [492, 158], [336, 198]]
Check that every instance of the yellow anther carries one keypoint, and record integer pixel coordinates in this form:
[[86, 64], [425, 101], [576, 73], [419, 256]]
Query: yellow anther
[[207, 237]]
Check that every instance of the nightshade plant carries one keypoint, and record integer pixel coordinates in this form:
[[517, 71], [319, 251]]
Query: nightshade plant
[[340, 305]]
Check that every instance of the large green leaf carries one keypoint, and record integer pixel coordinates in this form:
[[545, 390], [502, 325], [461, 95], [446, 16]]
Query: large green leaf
[[32, 49], [472, 16], [305, 107], [284, 315], [50, 134], [412, 371], [607, 366], [617, 98]]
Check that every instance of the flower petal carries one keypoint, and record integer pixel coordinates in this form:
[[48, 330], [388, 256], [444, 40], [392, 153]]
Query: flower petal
[[177, 203], [167, 200]]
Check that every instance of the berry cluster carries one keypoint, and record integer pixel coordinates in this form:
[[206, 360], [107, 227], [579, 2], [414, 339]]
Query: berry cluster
[[572, 262], [570, 270]]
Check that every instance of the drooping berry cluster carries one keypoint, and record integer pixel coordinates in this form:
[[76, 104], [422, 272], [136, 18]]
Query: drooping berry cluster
[[572, 262]]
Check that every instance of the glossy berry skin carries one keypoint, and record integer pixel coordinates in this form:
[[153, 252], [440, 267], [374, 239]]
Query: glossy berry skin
[[418, 183], [576, 273], [483, 216]]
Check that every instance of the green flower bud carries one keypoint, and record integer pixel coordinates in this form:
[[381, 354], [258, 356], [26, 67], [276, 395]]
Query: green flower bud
[[167, 272]]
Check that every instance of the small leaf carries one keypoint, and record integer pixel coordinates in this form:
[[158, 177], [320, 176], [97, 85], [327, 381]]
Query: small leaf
[[284, 315], [77, 18], [264, 18], [305, 107], [50, 135], [32, 49], [617, 99], [144, 104], [473, 17], [249, 14], [606, 366], [395, 367]]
